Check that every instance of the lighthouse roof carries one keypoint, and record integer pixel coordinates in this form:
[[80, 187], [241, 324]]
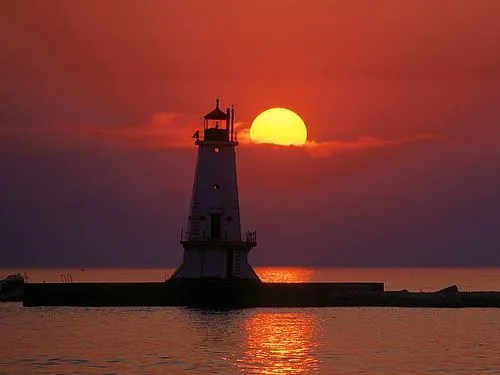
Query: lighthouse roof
[[217, 113]]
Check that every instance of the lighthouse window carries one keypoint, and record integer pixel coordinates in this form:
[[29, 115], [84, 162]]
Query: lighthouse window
[[216, 186], [216, 150], [202, 218], [229, 219]]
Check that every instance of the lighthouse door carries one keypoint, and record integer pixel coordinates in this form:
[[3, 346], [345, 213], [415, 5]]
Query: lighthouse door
[[215, 225]]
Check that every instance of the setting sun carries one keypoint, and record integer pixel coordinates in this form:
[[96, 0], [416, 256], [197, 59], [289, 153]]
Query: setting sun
[[279, 126]]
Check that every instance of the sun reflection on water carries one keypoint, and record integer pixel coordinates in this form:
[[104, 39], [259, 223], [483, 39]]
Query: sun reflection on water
[[280, 343], [285, 274]]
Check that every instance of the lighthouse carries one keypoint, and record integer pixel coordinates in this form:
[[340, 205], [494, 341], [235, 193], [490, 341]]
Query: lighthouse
[[213, 244]]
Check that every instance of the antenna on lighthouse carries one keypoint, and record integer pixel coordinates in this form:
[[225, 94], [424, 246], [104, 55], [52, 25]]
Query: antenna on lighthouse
[[232, 123]]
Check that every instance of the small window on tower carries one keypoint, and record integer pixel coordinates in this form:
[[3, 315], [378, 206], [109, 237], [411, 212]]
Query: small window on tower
[[216, 186], [216, 150], [202, 218], [229, 219]]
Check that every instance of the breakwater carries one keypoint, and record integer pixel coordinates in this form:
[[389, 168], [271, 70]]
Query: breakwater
[[244, 294]]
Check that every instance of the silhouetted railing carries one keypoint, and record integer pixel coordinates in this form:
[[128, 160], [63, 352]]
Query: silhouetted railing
[[251, 237]]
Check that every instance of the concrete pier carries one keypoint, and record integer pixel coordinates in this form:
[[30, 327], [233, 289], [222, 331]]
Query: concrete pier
[[246, 294]]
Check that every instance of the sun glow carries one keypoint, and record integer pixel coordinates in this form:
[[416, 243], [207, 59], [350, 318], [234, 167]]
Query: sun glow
[[279, 126]]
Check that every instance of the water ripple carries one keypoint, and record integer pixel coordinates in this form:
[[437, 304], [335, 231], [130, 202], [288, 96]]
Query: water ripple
[[253, 341]]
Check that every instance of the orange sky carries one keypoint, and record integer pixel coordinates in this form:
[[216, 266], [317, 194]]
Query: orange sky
[[402, 97]]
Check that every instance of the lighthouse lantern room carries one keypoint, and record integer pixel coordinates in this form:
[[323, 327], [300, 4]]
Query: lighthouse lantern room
[[213, 243]]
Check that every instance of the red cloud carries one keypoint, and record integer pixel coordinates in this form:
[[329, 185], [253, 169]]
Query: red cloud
[[165, 130], [327, 148], [331, 147]]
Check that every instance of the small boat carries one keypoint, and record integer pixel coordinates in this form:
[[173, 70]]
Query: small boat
[[11, 288]]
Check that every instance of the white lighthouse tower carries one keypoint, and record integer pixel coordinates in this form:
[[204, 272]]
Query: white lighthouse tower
[[213, 244]]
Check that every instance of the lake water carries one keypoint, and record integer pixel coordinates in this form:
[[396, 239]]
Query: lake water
[[170, 340]]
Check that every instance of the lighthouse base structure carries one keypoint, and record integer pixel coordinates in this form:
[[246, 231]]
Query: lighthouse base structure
[[219, 259]]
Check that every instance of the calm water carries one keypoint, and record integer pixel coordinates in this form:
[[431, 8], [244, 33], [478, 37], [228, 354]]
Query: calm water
[[66, 340]]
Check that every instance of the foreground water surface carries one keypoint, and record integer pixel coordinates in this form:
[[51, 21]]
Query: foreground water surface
[[69, 340]]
